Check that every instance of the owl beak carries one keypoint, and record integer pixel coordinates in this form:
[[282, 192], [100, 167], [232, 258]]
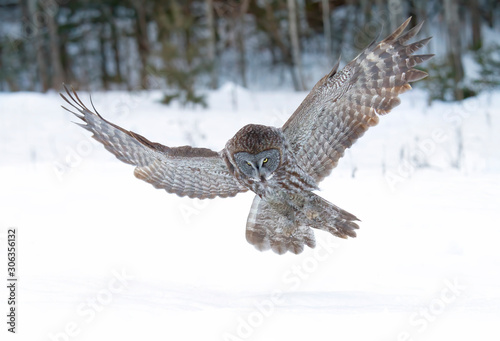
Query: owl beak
[[264, 174], [256, 175]]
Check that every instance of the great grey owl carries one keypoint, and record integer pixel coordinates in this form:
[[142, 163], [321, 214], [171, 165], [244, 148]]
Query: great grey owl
[[283, 166]]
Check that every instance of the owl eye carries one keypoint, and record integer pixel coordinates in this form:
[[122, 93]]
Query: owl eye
[[248, 163], [265, 160]]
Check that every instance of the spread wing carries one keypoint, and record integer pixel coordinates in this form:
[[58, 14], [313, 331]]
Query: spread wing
[[343, 105], [194, 172]]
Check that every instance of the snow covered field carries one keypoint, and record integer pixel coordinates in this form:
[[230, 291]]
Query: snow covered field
[[105, 256]]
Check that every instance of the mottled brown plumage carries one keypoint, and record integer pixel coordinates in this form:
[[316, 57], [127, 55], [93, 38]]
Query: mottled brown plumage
[[185, 171], [281, 165], [343, 105]]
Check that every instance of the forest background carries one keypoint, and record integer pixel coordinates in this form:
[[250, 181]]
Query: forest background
[[186, 47]]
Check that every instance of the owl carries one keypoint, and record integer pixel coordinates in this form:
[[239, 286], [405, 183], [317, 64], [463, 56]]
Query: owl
[[282, 166]]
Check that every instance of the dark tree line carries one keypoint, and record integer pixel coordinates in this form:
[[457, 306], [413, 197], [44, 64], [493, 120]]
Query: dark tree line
[[183, 46]]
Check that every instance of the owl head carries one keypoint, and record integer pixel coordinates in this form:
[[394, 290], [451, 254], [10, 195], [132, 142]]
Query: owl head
[[256, 151]]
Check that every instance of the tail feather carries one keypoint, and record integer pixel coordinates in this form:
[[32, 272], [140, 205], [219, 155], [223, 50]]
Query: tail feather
[[268, 228], [332, 218]]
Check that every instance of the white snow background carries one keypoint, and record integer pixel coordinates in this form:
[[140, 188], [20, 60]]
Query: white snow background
[[105, 256]]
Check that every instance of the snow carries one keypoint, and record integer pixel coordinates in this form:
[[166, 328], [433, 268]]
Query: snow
[[103, 255]]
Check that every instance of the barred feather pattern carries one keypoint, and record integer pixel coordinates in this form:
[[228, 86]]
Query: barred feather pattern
[[337, 111], [284, 223], [344, 104], [186, 171], [268, 230]]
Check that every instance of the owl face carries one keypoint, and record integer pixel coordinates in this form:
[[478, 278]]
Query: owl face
[[260, 166]]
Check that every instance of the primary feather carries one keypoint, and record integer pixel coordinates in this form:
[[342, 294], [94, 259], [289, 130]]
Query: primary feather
[[186, 171], [343, 105], [337, 111]]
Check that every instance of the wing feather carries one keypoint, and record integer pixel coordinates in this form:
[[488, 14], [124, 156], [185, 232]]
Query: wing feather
[[186, 171], [343, 105]]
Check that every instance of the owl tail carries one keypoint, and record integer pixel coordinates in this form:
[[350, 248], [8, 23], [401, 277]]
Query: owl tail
[[324, 215], [289, 228]]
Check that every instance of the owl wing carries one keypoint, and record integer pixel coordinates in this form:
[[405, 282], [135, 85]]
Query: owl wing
[[268, 230], [343, 105], [194, 172]]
